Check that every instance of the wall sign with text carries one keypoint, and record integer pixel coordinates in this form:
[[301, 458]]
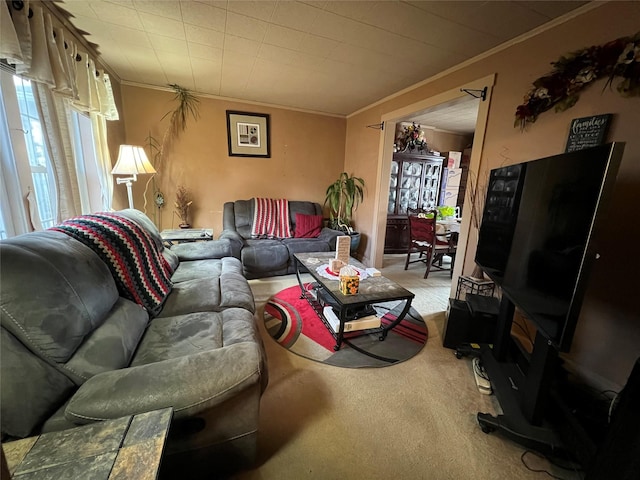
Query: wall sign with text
[[588, 132]]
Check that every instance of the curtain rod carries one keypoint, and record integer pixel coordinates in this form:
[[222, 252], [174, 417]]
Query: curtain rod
[[63, 19]]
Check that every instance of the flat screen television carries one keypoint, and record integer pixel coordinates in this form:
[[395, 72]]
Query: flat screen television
[[536, 235]]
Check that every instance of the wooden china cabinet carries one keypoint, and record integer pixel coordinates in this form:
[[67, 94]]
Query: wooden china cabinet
[[414, 183]]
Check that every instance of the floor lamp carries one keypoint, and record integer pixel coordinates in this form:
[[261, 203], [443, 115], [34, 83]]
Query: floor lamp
[[133, 161]]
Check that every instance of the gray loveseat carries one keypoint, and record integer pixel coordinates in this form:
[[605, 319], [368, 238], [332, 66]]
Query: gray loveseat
[[262, 257], [74, 351]]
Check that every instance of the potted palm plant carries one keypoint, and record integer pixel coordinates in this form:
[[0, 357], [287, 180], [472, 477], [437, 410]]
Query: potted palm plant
[[343, 197]]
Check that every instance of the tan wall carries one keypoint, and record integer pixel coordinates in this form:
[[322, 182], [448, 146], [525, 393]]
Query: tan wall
[[608, 335], [307, 154]]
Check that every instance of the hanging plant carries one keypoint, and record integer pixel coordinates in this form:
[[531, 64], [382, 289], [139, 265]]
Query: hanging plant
[[618, 61], [188, 107]]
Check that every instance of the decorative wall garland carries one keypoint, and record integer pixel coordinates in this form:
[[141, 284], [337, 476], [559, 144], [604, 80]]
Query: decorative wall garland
[[618, 61]]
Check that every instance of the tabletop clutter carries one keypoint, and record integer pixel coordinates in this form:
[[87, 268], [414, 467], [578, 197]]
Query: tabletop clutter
[[349, 280], [339, 268]]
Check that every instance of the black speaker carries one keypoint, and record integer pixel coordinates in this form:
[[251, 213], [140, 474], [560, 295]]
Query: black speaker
[[456, 324], [461, 326], [619, 455]]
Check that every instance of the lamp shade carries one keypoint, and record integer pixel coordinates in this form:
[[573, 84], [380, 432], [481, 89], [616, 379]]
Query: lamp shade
[[132, 160]]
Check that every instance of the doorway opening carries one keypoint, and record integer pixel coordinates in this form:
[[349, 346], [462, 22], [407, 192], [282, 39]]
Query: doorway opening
[[437, 118]]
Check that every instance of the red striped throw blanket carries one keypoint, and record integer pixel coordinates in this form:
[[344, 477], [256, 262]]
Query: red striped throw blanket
[[141, 273], [271, 218]]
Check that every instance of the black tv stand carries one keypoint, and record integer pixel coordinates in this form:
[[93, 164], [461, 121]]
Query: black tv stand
[[506, 381], [521, 390]]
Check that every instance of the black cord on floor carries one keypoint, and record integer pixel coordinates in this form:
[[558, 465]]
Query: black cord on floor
[[571, 468], [383, 307]]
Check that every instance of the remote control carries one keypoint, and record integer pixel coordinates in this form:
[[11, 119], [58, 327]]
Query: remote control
[[482, 380]]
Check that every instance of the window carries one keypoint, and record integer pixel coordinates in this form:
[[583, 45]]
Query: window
[[4, 233], [39, 162], [14, 217], [86, 163], [26, 168]]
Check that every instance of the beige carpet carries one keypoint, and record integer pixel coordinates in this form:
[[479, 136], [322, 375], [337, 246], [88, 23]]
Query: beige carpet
[[414, 420]]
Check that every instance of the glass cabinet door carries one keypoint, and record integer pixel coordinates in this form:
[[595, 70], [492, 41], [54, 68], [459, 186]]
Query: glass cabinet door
[[431, 185], [414, 183], [411, 182], [393, 184]]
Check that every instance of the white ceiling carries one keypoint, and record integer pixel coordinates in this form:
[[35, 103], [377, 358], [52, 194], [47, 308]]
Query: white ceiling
[[333, 57], [456, 116]]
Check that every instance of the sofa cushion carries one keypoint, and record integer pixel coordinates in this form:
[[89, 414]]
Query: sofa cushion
[[55, 291], [206, 269], [138, 268], [209, 295], [112, 344], [306, 245], [205, 250], [30, 389], [238, 217], [308, 226], [303, 206], [174, 337], [264, 256], [178, 336], [196, 269]]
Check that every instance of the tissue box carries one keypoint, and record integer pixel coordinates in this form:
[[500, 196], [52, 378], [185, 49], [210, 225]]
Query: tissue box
[[349, 284]]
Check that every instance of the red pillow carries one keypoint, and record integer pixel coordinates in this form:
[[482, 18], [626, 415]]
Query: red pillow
[[308, 226]]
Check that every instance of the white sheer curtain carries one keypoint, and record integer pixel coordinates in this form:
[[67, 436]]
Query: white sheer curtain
[[55, 116], [64, 77], [99, 124]]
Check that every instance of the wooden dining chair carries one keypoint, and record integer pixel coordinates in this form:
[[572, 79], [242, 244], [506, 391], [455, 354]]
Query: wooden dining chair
[[423, 240]]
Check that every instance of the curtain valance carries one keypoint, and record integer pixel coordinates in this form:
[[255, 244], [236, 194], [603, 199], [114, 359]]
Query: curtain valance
[[42, 50]]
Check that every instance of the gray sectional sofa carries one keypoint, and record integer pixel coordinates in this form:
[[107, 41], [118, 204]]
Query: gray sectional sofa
[[75, 351], [263, 257]]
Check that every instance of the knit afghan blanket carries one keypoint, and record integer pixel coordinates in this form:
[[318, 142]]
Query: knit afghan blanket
[[271, 218], [141, 273]]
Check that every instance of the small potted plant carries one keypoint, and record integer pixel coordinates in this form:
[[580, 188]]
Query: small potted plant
[[343, 197], [182, 204], [445, 211]]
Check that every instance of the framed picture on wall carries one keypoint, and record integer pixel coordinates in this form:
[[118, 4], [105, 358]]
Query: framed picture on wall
[[248, 134]]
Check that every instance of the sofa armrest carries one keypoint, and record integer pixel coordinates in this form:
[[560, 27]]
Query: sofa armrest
[[329, 235], [202, 250], [190, 384], [235, 239]]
